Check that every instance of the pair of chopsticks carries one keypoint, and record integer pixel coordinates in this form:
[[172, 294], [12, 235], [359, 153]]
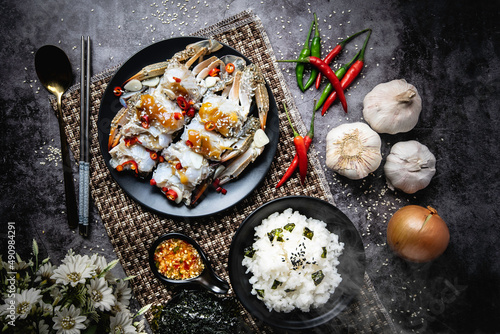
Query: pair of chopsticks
[[84, 164]]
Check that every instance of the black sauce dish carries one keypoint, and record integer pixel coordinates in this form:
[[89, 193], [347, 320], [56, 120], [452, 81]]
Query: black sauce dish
[[351, 267], [207, 279]]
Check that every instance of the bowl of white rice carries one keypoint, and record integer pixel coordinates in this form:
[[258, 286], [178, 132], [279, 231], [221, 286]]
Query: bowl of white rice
[[296, 262]]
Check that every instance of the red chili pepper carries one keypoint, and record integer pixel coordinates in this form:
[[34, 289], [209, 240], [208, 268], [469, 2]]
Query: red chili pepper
[[152, 182], [230, 68], [131, 141], [145, 121], [335, 51], [349, 76], [182, 103], [327, 72], [134, 166], [190, 112], [295, 162], [118, 91], [300, 147], [214, 72], [152, 154], [189, 143], [178, 166], [177, 79], [177, 116], [171, 194]]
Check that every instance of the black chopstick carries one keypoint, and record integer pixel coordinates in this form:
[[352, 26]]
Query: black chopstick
[[84, 164]]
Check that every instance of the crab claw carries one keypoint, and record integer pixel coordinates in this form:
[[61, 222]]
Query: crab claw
[[114, 133], [149, 71]]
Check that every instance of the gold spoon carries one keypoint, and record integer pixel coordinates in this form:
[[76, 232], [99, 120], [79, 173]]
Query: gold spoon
[[54, 72]]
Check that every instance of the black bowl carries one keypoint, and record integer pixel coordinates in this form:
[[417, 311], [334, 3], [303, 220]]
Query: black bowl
[[351, 267], [207, 279]]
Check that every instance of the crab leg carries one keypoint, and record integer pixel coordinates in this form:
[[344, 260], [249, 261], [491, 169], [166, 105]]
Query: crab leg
[[238, 165], [114, 133], [149, 71], [262, 100]]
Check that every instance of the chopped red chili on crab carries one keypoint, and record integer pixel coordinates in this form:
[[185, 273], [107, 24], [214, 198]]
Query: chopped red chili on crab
[[131, 141], [152, 182], [178, 166], [182, 103], [230, 68], [190, 112], [177, 79], [214, 72], [118, 91], [177, 116], [145, 121], [133, 166], [171, 194]]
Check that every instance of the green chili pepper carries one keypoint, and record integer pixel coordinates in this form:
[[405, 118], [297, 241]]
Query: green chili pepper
[[306, 52], [329, 88], [316, 52], [289, 227]]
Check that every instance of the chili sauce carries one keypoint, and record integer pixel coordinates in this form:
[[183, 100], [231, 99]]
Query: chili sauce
[[178, 259]]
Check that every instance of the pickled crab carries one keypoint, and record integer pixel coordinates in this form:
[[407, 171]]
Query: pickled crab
[[208, 105]]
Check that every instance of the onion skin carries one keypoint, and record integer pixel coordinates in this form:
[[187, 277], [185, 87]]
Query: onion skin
[[417, 234]]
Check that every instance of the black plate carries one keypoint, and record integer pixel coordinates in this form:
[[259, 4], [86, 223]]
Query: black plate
[[351, 267], [149, 196]]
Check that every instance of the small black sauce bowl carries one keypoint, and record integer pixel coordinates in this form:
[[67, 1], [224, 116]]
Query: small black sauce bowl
[[207, 279]]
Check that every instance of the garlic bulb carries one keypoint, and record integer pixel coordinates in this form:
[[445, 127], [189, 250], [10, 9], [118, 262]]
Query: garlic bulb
[[353, 150], [392, 107], [410, 166]]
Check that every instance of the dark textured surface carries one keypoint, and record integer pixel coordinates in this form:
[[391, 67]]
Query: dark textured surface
[[447, 49]]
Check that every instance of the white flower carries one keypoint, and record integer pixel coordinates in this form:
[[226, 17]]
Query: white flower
[[43, 328], [76, 269], [45, 272], [68, 321], [101, 294], [123, 293], [100, 264], [122, 324], [25, 302], [45, 308]]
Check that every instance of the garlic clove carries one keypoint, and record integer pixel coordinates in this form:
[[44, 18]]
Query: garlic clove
[[392, 107], [409, 166], [353, 150]]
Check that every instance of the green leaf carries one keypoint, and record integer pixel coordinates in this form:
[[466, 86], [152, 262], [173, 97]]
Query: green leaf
[[110, 266], [35, 248], [128, 278], [143, 310]]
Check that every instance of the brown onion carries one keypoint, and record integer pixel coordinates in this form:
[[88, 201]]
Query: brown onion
[[417, 234]]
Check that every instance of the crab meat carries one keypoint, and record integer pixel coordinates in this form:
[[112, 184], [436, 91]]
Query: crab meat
[[182, 171], [123, 153]]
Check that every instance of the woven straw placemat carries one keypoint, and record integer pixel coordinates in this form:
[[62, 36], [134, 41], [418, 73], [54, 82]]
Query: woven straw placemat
[[132, 228]]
